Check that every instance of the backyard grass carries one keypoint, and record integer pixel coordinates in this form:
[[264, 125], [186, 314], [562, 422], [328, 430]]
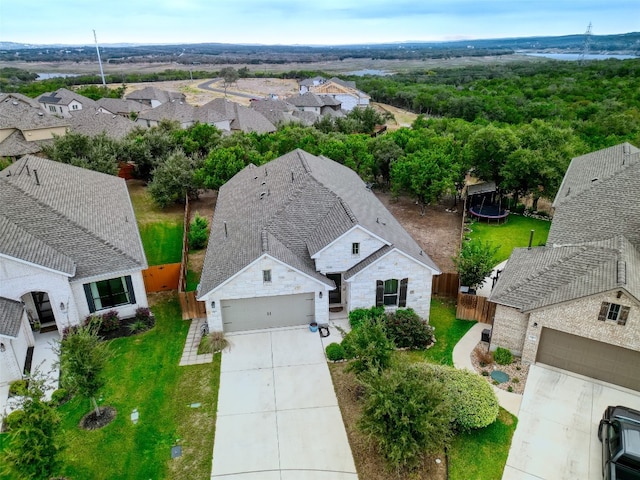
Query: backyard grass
[[162, 242], [482, 454], [511, 234], [144, 375]]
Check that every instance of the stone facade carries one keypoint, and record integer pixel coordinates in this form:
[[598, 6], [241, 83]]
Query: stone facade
[[361, 288], [338, 257], [249, 284], [579, 317], [15, 353]]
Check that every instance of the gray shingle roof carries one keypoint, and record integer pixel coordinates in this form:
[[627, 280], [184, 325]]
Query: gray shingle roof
[[242, 118], [92, 122], [15, 114], [154, 93], [10, 317], [15, 146], [20, 98], [62, 96], [307, 99], [83, 217], [120, 106], [172, 110], [282, 208], [589, 169], [549, 275], [609, 206]]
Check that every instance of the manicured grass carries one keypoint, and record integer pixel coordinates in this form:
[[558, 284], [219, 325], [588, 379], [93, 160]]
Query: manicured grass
[[448, 331], [482, 453], [144, 374], [193, 278], [162, 242], [514, 233]]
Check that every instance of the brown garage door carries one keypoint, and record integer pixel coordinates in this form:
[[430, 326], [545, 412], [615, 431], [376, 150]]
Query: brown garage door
[[591, 358]]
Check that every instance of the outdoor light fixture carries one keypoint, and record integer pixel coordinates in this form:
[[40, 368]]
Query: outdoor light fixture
[[2, 347], [213, 304], [320, 294], [61, 306], [535, 324]]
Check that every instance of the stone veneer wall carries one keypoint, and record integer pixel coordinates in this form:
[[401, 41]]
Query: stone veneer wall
[[509, 329]]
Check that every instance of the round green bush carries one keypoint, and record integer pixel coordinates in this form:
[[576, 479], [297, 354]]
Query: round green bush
[[503, 356], [13, 420], [19, 388], [335, 352], [59, 396], [475, 404], [407, 330]]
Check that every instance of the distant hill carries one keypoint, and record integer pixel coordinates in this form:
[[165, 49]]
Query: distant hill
[[217, 53]]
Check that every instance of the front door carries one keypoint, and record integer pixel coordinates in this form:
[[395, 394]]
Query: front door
[[43, 307], [335, 296]]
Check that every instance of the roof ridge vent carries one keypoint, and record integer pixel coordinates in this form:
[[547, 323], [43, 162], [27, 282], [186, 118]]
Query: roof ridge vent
[[349, 212], [622, 272], [265, 241]]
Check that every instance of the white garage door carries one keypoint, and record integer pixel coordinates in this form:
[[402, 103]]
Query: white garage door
[[267, 312], [591, 358]]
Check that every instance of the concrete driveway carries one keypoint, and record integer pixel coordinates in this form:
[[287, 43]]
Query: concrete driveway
[[556, 437], [278, 416]]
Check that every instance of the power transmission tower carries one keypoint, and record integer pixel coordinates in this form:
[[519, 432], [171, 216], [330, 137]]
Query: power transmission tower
[[99, 60], [586, 45]]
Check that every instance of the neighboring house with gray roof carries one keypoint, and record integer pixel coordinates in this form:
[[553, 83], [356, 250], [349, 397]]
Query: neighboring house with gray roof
[[302, 234], [278, 112], [62, 102], [310, 102], [308, 83], [186, 115], [241, 118], [120, 106], [342, 91], [69, 247], [154, 97], [575, 303], [24, 126], [93, 122]]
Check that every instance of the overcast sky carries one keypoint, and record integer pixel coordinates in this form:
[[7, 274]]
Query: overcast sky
[[308, 22]]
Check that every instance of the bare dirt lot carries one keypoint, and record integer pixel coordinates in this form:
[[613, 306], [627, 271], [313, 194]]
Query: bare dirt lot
[[438, 232]]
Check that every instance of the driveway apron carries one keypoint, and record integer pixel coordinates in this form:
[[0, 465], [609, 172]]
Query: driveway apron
[[278, 415]]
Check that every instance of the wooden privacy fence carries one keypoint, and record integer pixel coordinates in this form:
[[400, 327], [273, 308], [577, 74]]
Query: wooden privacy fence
[[445, 285], [191, 308], [160, 278], [473, 307]]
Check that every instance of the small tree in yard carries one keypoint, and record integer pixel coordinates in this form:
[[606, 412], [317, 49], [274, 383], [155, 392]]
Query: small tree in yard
[[83, 357], [407, 414], [369, 347], [173, 180], [475, 261], [33, 448], [198, 232]]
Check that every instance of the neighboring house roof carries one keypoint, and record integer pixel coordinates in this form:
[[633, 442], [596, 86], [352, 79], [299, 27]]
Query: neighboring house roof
[[306, 118], [609, 206], [15, 145], [62, 96], [20, 98], [339, 87], [311, 81], [307, 99], [93, 122], [69, 219], [550, 275], [276, 111], [11, 313], [586, 170], [24, 117], [173, 110], [290, 208], [154, 93], [242, 118], [120, 106]]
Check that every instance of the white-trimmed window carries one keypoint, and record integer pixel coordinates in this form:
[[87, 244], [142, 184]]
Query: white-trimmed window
[[109, 293], [390, 294], [355, 248], [613, 312], [266, 276]]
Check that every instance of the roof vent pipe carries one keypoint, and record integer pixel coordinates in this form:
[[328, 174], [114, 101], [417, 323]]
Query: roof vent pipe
[[35, 172], [225, 229], [530, 239]]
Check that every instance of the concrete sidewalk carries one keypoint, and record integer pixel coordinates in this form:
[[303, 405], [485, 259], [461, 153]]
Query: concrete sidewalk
[[462, 359]]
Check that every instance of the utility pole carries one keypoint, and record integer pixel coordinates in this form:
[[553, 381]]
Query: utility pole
[[99, 61]]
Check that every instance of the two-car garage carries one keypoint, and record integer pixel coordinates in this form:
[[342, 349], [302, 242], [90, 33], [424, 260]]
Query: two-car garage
[[267, 312], [591, 358]]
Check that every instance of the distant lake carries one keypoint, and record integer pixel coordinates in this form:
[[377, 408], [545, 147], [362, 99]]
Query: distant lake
[[362, 73], [47, 76], [577, 56]]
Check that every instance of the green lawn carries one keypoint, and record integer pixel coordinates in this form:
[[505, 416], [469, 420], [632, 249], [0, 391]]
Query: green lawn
[[193, 278], [514, 233], [482, 454], [144, 375], [162, 242]]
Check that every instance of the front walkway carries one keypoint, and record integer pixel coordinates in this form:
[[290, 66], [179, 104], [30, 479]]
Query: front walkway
[[462, 359], [190, 352], [278, 415]]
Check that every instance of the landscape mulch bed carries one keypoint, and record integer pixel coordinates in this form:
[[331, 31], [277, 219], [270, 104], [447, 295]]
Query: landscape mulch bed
[[91, 421], [369, 463]]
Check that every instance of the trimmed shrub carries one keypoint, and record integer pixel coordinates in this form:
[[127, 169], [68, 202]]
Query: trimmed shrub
[[503, 356], [19, 388], [369, 346], [475, 404], [60, 396], [407, 413], [138, 326], [93, 321], [143, 314], [407, 330], [198, 232], [359, 315], [335, 352], [110, 321], [13, 420]]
